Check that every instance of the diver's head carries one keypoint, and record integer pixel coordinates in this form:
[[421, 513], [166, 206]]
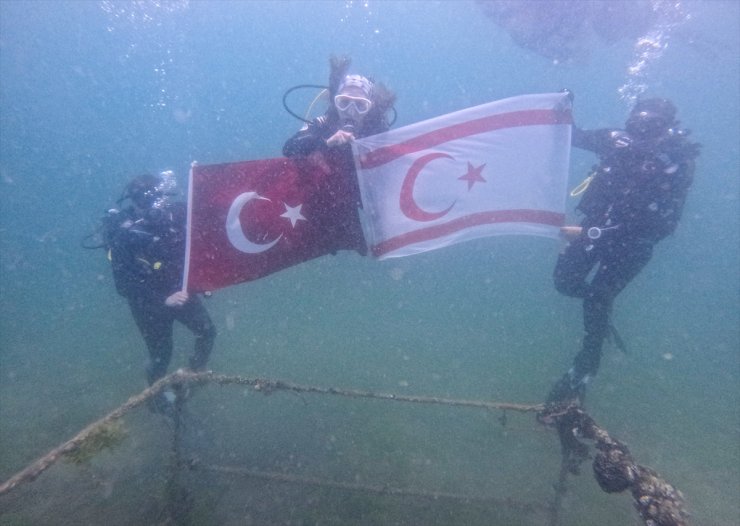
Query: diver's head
[[651, 118], [143, 191], [353, 100]]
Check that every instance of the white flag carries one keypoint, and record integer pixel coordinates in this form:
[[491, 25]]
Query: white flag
[[498, 168]]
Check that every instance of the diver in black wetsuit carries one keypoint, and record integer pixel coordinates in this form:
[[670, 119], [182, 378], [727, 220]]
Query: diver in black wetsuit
[[358, 108], [634, 199], [146, 246]]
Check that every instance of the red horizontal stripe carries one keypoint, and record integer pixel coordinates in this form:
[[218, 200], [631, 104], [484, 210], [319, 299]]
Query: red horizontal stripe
[[439, 136], [542, 217]]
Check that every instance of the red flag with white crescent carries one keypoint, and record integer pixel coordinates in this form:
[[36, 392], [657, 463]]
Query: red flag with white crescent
[[249, 219], [498, 168]]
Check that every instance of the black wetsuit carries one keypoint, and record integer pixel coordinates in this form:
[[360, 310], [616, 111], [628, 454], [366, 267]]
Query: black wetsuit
[[344, 204], [313, 136], [634, 200], [147, 256]]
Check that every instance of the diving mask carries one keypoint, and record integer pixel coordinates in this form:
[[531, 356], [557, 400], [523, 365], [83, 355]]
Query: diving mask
[[361, 104], [647, 123]]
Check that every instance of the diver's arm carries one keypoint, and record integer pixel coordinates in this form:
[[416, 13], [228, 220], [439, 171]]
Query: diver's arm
[[598, 141], [302, 145], [670, 207], [174, 258], [118, 243], [308, 140], [122, 264]]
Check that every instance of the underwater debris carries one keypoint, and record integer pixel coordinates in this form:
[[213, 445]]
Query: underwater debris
[[657, 502], [106, 436]]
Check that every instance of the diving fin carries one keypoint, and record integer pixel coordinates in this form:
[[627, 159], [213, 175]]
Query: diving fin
[[617, 339]]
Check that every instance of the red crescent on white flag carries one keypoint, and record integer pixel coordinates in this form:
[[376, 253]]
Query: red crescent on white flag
[[408, 206]]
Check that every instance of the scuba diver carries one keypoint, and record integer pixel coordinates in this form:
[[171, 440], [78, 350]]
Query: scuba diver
[[358, 108], [633, 199], [146, 246]]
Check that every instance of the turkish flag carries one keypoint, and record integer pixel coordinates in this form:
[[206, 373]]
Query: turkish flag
[[498, 168], [249, 219]]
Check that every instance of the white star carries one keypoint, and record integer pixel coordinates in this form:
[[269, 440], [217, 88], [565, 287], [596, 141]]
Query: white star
[[293, 213]]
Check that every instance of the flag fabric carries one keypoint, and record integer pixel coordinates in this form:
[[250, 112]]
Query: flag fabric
[[498, 168], [249, 219]]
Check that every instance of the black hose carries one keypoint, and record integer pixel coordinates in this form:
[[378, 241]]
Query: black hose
[[395, 117], [291, 90]]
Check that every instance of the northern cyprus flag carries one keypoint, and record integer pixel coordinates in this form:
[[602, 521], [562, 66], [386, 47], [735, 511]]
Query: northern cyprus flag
[[498, 168]]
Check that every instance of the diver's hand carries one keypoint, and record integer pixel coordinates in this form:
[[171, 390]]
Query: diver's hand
[[569, 233], [339, 138], [569, 93], [178, 299]]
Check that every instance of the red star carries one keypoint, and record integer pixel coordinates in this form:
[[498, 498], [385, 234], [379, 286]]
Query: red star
[[473, 175]]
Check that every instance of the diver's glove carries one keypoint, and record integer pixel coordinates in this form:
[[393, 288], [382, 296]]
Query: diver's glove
[[571, 97]]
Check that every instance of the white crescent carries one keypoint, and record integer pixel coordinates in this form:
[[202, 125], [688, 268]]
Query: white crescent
[[234, 226]]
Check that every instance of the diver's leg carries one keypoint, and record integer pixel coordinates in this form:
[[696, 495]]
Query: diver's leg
[[155, 325], [572, 386], [596, 323], [623, 262], [195, 317], [573, 267], [571, 271]]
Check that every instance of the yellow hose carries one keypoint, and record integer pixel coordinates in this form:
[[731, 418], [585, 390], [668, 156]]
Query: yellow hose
[[314, 101], [578, 190]]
